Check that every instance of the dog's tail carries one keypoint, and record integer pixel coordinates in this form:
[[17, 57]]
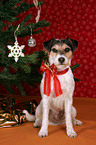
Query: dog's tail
[[29, 117]]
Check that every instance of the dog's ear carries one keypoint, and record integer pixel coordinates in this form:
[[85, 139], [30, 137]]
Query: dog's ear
[[48, 44], [72, 42], [75, 44]]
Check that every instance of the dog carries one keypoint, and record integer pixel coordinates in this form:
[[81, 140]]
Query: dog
[[57, 87]]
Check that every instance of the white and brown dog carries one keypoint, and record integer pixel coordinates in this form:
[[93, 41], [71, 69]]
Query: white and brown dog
[[57, 87]]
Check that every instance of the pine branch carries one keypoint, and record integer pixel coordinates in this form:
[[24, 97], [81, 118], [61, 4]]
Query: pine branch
[[20, 89], [25, 30], [26, 70], [78, 80], [75, 66], [8, 87], [9, 9]]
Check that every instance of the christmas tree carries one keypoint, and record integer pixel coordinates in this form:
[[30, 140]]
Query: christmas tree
[[26, 69]]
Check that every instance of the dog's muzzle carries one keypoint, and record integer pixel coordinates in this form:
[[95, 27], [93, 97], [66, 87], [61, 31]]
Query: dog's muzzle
[[61, 60]]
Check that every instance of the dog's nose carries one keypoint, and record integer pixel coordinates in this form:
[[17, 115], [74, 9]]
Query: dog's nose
[[61, 59]]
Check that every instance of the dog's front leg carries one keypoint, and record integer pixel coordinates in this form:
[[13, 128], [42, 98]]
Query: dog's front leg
[[69, 127], [44, 128]]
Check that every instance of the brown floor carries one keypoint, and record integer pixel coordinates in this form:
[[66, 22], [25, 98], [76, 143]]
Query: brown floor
[[25, 134]]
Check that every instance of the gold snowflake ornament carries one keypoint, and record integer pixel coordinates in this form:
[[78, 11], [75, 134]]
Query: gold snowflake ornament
[[16, 50]]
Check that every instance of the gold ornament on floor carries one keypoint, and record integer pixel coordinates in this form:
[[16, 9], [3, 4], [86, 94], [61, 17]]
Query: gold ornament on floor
[[16, 50]]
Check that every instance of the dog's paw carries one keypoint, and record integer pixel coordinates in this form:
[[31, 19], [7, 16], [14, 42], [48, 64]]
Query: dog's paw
[[37, 124], [77, 122], [43, 133], [71, 133]]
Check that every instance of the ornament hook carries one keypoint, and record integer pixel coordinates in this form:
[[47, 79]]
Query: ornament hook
[[31, 30], [15, 32]]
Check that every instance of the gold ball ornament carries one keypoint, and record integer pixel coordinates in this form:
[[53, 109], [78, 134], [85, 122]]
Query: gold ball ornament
[[31, 42]]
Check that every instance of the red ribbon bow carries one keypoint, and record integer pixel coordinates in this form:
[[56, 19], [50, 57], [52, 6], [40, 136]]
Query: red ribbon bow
[[52, 71]]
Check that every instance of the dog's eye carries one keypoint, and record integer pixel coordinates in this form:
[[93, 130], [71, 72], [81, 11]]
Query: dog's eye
[[54, 50], [67, 49]]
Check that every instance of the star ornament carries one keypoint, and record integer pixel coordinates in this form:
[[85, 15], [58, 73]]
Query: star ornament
[[16, 51]]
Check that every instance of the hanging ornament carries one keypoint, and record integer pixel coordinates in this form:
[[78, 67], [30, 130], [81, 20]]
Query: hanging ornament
[[38, 14], [39, 10], [31, 42], [16, 50], [35, 3]]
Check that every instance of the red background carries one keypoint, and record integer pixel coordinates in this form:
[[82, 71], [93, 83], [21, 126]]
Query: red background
[[77, 20]]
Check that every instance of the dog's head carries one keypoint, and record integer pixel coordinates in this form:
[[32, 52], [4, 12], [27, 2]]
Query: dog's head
[[60, 51]]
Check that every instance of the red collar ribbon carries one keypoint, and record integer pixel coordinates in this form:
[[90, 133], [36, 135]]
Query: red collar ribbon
[[52, 71]]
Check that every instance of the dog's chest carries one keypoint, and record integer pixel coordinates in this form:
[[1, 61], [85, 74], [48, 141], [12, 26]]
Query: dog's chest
[[67, 86], [56, 103], [66, 82]]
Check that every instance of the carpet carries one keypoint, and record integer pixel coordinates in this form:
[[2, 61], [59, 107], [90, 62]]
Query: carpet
[[25, 134]]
